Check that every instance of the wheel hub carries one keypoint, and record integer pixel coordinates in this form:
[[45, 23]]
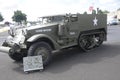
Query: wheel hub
[[41, 51]]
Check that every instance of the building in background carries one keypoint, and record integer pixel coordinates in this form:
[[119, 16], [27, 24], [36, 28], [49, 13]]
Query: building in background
[[115, 14], [113, 18]]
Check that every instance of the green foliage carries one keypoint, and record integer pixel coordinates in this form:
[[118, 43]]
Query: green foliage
[[19, 17], [106, 12], [85, 12], [100, 12], [103, 12], [93, 11], [1, 18]]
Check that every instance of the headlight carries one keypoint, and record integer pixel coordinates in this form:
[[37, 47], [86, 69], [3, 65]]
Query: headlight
[[24, 32], [20, 38], [11, 32], [18, 35]]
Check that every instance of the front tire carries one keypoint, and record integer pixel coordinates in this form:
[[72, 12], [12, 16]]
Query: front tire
[[17, 56], [43, 49]]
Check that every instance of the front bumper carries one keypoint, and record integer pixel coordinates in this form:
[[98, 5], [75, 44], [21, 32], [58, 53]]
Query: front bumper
[[13, 44], [6, 49], [10, 50]]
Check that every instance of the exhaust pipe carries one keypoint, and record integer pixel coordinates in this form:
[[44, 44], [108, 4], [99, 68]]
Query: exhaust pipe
[[5, 49]]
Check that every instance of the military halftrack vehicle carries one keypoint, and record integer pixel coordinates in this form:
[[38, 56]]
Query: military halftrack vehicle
[[57, 32]]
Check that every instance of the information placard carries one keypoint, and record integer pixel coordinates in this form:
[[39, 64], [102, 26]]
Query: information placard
[[31, 63]]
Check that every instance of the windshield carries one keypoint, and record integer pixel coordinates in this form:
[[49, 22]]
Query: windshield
[[51, 19]]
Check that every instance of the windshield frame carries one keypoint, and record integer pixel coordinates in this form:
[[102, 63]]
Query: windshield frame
[[51, 19]]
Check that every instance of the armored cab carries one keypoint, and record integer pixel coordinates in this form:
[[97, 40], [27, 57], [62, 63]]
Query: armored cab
[[56, 32]]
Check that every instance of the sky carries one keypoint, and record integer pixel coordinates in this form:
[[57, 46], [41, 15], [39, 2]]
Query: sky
[[36, 8]]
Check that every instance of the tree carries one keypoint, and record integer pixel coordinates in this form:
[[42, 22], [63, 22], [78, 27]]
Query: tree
[[1, 18], [19, 17], [85, 12], [100, 12], [106, 12], [93, 11]]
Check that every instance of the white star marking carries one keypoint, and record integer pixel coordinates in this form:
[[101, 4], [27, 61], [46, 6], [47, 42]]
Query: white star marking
[[95, 21]]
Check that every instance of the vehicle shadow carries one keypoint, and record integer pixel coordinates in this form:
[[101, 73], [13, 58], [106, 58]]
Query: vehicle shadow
[[66, 59]]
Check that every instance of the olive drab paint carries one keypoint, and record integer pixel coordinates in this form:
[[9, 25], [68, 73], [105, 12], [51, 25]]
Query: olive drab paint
[[61, 31]]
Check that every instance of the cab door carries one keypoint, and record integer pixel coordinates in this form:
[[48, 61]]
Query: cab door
[[73, 26]]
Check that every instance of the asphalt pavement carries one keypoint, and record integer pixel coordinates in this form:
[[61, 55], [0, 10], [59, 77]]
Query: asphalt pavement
[[102, 63]]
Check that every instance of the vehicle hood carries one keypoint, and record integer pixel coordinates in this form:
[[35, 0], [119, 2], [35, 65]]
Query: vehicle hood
[[41, 26]]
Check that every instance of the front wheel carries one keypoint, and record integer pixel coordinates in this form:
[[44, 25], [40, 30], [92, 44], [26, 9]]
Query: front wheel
[[43, 49], [17, 56]]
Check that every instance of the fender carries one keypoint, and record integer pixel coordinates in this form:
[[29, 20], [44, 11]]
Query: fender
[[38, 36]]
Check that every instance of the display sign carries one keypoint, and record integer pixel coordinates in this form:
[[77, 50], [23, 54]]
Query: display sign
[[31, 63]]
